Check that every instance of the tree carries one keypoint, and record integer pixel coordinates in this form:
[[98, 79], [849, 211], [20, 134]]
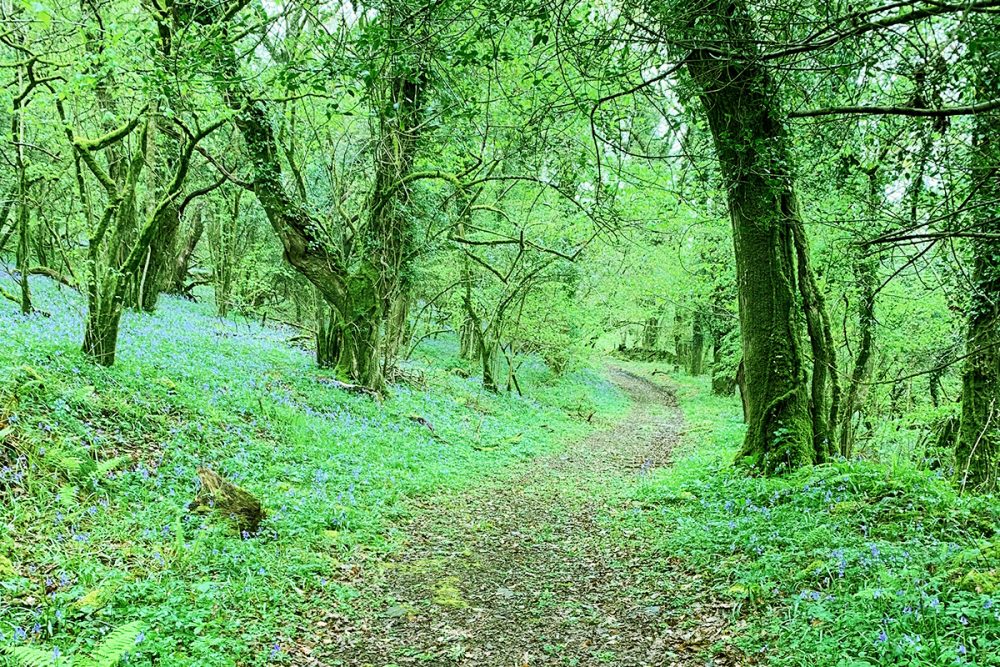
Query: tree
[[788, 415], [978, 451]]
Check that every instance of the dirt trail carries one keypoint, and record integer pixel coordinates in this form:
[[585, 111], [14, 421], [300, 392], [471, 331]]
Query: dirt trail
[[523, 572]]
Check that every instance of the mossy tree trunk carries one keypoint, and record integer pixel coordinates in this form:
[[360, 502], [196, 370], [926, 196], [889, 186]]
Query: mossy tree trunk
[[23, 247], [328, 339], [150, 278], [865, 269], [100, 335], [696, 362], [651, 333], [738, 95], [362, 292], [466, 339], [18, 140], [5, 207], [681, 348], [977, 455], [824, 401], [113, 237], [479, 338], [182, 262]]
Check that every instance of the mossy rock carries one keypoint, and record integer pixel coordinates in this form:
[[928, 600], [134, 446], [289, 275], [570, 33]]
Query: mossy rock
[[980, 581]]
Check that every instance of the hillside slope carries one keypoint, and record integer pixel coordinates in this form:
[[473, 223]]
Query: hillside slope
[[98, 465]]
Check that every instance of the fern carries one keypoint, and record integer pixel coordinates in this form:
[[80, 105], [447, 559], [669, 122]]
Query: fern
[[27, 656], [108, 654], [116, 645], [110, 465]]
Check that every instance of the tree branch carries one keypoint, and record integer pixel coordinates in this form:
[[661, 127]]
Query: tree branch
[[920, 112]]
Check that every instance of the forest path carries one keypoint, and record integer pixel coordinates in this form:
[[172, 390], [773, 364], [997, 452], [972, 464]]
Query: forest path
[[527, 570]]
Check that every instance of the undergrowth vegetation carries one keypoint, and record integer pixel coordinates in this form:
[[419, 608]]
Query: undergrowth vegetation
[[98, 467], [881, 561]]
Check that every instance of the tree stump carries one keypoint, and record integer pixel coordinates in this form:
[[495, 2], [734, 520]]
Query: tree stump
[[218, 494]]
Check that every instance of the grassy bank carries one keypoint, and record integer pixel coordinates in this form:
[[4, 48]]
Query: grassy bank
[[98, 465], [852, 563]]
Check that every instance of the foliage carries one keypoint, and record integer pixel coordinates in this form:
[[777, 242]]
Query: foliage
[[849, 563], [112, 650]]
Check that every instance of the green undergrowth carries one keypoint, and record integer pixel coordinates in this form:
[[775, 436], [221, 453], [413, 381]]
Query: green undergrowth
[[852, 563], [97, 467]]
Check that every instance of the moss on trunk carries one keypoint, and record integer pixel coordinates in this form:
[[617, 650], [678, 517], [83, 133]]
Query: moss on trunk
[[738, 97]]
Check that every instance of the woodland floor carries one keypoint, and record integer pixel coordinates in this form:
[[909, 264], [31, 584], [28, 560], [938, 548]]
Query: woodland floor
[[528, 569]]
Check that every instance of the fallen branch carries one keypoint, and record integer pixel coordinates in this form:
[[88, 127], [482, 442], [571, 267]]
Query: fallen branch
[[351, 388], [54, 275]]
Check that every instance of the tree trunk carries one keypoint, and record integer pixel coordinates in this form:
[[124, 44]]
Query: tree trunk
[[23, 249], [487, 357], [156, 268], [100, 337], [182, 263], [741, 384], [825, 391], [697, 357], [383, 274], [866, 278], [977, 455], [5, 206], [680, 345], [18, 139], [738, 96], [485, 351], [466, 340], [651, 333], [723, 381], [359, 353], [328, 340]]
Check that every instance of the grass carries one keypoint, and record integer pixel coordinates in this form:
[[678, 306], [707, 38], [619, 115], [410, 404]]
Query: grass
[[847, 564], [98, 465]]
